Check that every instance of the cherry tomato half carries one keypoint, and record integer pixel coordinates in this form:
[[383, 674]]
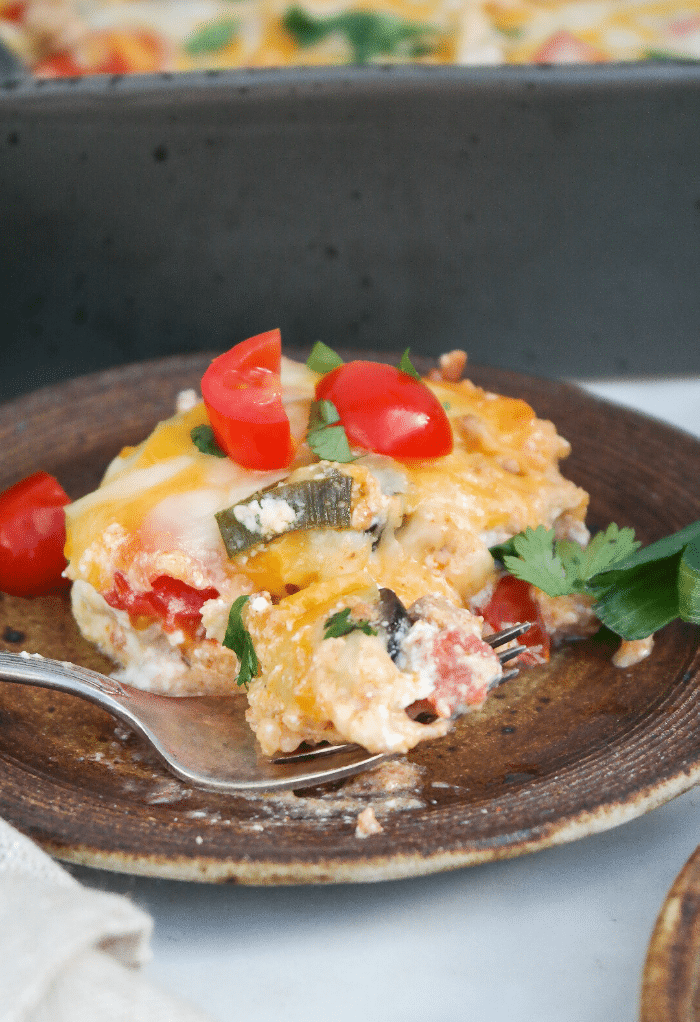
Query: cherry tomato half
[[511, 604], [385, 410], [32, 536], [242, 393]]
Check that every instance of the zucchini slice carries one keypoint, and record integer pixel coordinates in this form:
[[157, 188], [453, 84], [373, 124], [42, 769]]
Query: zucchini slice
[[320, 503]]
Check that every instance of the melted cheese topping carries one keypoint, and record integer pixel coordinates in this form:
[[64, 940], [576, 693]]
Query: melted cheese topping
[[419, 528]]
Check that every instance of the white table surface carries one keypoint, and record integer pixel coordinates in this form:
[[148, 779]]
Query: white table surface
[[559, 936]]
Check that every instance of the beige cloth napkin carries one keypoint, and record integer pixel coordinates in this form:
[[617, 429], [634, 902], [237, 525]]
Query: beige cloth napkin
[[68, 953]]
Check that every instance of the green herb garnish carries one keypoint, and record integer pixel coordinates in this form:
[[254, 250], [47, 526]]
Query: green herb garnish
[[668, 57], [322, 358], [406, 366], [369, 34], [239, 639], [212, 36], [204, 440], [326, 436], [341, 624], [636, 591]]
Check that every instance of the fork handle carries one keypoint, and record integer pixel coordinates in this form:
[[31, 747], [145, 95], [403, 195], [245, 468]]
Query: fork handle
[[42, 672]]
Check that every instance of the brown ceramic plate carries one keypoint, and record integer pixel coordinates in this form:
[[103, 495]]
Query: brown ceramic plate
[[559, 753], [671, 982]]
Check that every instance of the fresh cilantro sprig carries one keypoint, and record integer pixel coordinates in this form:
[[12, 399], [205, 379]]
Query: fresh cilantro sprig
[[326, 436], [341, 624], [369, 34], [635, 591], [239, 639], [204, 440], [562, 567], [323, 359]]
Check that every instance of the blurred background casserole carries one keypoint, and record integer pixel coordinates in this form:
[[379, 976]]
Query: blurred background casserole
[[62, 38]]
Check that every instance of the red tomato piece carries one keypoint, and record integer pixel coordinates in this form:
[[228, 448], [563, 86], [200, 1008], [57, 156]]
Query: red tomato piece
[[13, 11], [106, 53], [173, 602], [465, 667], [64, 65], [32, 536], [512, 603], [242, 392], [565, 48], [385, 410]]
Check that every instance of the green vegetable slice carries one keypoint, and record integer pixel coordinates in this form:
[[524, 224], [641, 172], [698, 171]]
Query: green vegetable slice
[[321, 503], [239, 639]]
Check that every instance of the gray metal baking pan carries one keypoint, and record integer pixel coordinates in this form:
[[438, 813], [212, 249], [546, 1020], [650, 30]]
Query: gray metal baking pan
[[545, 219]]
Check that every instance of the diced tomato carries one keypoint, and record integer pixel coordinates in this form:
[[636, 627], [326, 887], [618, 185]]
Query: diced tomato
[[242, 392], [385, 410], [465, 668], [63, 65], [106, 53], [32, 536], [458, 682], [13, 11], [512, 603], [565, 48], [172, 602]]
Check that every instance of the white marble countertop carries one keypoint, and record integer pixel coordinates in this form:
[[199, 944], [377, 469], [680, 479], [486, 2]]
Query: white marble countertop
[[559, 936]]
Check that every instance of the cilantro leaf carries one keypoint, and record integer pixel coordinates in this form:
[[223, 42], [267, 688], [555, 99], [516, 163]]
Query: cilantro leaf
[[563, 567], [323, 413], [606, 548], [322, 358], [204, 440], [326, 436], [340, 624], [212, 36], [534, 560], [665, 547], [406, 366], [369, 34], [239, 639]]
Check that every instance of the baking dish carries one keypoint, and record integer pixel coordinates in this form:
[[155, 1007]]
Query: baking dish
[[545, 219]]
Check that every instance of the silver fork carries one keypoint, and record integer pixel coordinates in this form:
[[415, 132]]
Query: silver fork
[[205, 740]]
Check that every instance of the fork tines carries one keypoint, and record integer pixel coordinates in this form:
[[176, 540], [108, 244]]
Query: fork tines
[[499, 638]]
